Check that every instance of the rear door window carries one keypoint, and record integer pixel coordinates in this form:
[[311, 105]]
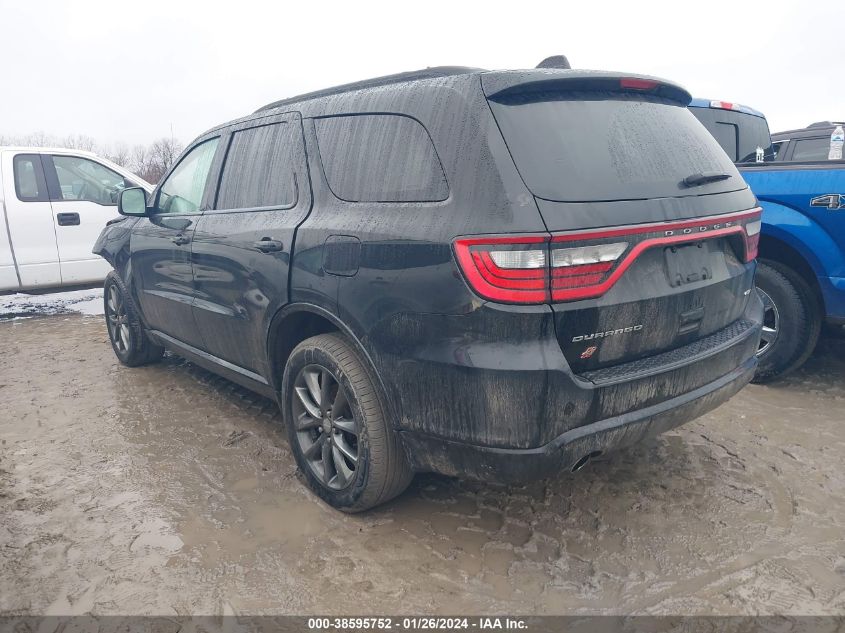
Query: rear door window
[[380, 158], [739, 133], [602, 146], [259, 169], [809, 149], [30, 185]]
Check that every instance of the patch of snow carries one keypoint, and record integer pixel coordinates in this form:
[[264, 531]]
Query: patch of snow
[[21, 305]]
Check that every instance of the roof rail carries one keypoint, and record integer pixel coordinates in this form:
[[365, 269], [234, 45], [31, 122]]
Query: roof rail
[[415, 75]]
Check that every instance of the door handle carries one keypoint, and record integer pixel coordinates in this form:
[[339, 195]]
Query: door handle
[[180, 240], [266, 245], [67, 219], [832, 201]]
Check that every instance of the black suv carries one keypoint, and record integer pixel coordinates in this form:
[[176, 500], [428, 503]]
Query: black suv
[[494, 275]]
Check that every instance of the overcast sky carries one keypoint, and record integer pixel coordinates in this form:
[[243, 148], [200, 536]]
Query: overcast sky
[[121, 71]]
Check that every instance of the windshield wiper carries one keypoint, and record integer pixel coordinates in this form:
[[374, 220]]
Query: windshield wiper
[[704, 177]]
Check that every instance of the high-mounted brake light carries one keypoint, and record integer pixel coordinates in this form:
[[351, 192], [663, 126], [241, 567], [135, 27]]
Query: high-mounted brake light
[[632, 83], [584, 264], [724, 105]]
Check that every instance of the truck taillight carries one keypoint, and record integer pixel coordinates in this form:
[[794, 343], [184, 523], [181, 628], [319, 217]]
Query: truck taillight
[[752, 239]]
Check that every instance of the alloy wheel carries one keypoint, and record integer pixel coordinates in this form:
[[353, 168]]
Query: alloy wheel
[[325, 427], [771, 324], [117, 320]]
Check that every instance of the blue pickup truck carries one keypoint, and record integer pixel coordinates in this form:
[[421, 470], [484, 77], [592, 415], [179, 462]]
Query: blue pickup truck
[[801, 272]]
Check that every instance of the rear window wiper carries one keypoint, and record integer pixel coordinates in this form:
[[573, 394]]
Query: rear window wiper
[[702, 178]]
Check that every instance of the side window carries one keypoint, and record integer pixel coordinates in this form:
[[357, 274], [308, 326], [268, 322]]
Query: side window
[[380, 158], [807, 149], [183, 189], [777, 148], [259, 169], [30, 185], [85, 179]]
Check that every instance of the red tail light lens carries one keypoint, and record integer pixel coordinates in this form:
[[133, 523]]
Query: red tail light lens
[[724, 105], [585, 264], [752, 239], [582, 266], [632, 83], [506, 269]]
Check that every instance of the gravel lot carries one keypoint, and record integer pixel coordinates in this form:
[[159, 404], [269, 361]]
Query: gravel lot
[[166, 490]]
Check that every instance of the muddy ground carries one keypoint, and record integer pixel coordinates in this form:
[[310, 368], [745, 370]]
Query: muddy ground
[[166, 490]]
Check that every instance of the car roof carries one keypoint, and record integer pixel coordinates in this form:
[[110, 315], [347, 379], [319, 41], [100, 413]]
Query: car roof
[[498, 80], [28, 149], [435, 72], [709, 103], [821, 128], [335, 99]]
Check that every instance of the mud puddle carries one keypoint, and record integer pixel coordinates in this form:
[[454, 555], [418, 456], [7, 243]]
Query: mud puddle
[[167, 490]]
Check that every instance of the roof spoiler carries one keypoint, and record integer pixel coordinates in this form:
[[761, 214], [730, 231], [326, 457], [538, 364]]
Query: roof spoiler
[[499, 85]]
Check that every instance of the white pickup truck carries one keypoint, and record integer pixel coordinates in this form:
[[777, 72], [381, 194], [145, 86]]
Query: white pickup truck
[[53, 205]]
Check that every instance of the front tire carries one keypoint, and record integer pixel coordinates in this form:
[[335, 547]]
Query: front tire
[[337, 426], [126, 334], [791, 324]]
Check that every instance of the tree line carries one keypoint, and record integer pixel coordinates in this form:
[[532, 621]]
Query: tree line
[[150, 162]]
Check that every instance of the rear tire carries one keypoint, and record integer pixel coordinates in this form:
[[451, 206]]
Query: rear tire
[[130, 343], [793, 313], [338, 427]]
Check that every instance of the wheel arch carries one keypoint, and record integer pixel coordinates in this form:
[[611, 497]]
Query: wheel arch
[[296, 322], [774, 249]]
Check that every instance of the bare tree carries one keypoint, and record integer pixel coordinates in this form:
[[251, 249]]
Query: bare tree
[[150, 162], [120, 154], [79, 141], [163, 153]]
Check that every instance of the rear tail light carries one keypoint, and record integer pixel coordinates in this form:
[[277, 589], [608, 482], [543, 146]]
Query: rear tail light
[[752, 239], [582, 266], [506, 269], [530, 269]]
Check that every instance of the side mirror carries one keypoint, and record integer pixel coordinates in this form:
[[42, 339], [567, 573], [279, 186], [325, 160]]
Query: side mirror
[[132, 202]]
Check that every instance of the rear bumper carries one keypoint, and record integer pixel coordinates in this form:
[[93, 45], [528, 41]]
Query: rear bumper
[[430, 453]]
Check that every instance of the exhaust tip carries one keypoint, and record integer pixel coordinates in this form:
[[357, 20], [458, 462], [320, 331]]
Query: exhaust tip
[[583, 461]]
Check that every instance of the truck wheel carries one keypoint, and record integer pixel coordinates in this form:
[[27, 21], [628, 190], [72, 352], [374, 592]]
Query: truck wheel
[[128, 340], [338, 428], [791, 322]]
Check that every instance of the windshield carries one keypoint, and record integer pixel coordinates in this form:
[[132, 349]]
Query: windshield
[[738, 133], [591, 146]]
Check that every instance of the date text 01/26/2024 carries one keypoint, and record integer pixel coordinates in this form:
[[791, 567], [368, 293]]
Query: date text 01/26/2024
[[416, 623]]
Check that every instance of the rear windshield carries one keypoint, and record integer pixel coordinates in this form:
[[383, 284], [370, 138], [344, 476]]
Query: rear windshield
[[586, 147], [738, 133]]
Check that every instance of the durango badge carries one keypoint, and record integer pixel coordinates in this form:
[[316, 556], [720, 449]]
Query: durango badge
[[594, 335]]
